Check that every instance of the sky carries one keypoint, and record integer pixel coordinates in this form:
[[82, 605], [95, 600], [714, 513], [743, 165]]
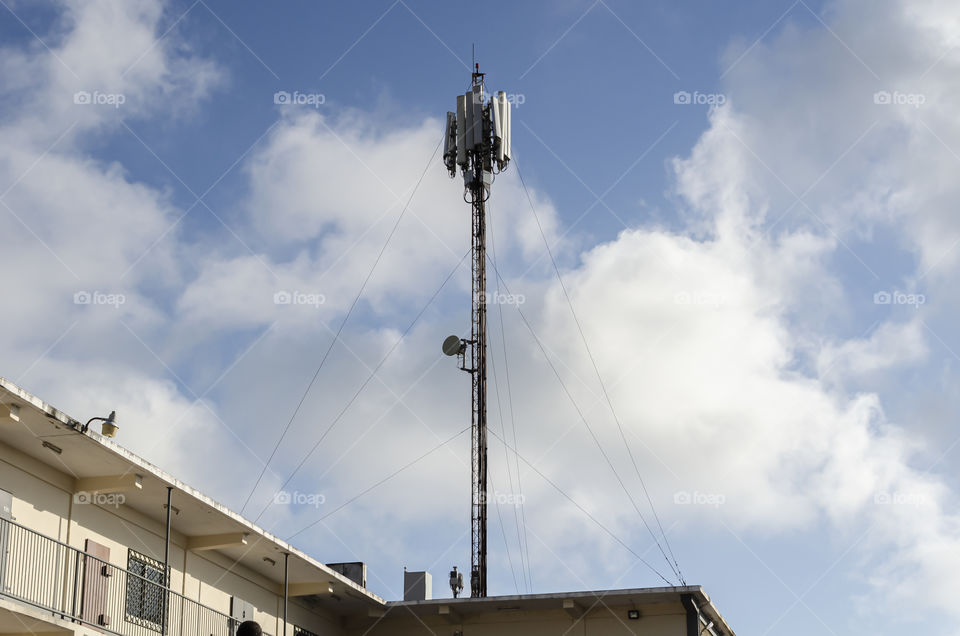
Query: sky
[[726, 273]]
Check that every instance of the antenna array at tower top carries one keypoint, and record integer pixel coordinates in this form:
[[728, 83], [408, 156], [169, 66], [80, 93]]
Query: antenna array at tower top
[[478, 133]]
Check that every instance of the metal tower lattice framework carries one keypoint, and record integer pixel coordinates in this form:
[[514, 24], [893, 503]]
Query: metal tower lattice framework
[[478, 141]]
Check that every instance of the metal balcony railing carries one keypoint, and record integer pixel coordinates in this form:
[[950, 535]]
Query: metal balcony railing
[[77, 586]]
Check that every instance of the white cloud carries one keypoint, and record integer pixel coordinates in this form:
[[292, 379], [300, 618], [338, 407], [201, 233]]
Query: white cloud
[[889, 346], [81, 224], [803, 114], [807, 104], [326, 194]]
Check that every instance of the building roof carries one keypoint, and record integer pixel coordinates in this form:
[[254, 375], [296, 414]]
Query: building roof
[[87, 454], [573, 602]]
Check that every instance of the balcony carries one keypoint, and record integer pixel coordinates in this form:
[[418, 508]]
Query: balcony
[[79, 587]]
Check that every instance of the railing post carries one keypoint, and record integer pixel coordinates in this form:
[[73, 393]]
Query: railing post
[[76, 583], [286, 576], [166, 570]]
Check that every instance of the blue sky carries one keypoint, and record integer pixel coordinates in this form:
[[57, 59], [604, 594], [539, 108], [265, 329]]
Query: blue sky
[[600, 66], [765, 282]]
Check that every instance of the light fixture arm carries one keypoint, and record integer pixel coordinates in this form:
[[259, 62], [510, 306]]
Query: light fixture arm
[[110, 419]]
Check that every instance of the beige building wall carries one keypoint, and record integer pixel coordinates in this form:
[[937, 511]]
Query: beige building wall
[[43, 501], [40, 493]]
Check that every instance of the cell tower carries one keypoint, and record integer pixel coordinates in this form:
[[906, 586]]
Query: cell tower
[[478, 141]]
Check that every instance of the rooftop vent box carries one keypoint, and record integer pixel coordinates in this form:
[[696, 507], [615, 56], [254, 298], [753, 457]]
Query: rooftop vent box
[[417, 586], [355, 571]]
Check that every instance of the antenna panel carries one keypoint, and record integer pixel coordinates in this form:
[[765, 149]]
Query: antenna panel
[[450, 142], [477, 115], [497, 109], [505, 105], [468, 139], [461, 129]]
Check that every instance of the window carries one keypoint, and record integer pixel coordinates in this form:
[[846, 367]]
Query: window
[[145, 584], [299, 631]]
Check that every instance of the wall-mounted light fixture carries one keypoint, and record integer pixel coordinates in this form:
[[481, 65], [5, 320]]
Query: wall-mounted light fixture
[[109, 426]]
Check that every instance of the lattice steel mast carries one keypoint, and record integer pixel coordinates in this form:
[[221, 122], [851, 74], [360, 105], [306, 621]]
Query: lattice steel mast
[[478, 141]]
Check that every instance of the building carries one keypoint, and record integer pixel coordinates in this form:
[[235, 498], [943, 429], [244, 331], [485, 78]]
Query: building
[[84, 539]]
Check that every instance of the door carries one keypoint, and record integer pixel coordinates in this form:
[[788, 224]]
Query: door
[[240, 610], [96, 579]]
